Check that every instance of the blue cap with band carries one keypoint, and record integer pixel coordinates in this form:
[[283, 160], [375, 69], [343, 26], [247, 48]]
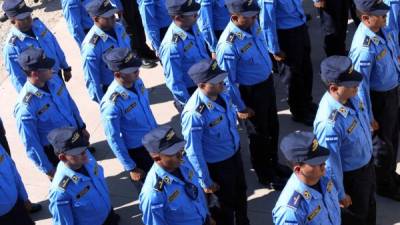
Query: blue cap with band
[[32, 59], [101, 8], [339, 70], [122, 60], [16, 9]]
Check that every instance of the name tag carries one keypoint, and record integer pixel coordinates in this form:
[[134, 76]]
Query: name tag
[[83, 192], [216, 121], [43, 109], [133, 105]]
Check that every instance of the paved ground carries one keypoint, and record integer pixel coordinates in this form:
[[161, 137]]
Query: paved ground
[[123, 193]]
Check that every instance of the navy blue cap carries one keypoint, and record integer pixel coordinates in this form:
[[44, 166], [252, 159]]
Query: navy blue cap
[[373, 7], [122, 60], [302, 147], [102, 8], [246, 8], [16, 9], [207, 71], [68, 140], [182, 7], [339, 70], [163, 140], [32, 59]]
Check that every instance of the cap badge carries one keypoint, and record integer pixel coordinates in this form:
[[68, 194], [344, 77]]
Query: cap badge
[[190, 2], [314, 145], [214, 65], [351, 69], [128, 58], [106, 3], [75, 137], [21, 5], [170, 135], [250, 2]]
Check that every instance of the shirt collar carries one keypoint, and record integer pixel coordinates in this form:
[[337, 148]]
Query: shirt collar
[[307, 192], [372, 35], [182, 33], [241, 34], [30, 88], [169, 178], [209, 103], [74, 176], [21, 35], [335, 105], [103, 35]]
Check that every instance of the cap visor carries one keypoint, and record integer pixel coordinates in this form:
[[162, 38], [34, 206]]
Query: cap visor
[[109, 13], [23, 15], [318, 160], [129, 70], [174, 148], [48, 63], [75, 151], [218, 79], [380, 10], [249, 13]]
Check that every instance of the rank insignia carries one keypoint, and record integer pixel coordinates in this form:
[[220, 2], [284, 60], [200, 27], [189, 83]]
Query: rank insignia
[[314, 213], [173, 196], [352, 126], [75, 178], [329, 186], [83, 192]]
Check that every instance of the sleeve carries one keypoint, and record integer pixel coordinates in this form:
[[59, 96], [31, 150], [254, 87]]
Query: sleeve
[[172, 61], [192, 130], [75, 111], [17, 75], [329, 137], [150, 24], [363, 63], [59, 51], [227, 60], [26, 125], [286, 216], [205, 23], [152, 207], [111, 118], [91, 70], [72, 14], [60, 208], [22, 195], [268, 24]]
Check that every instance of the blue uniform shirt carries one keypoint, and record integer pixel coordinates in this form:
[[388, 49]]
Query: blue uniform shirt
[[95, 71], [38, 112], [245, 57], [279, 14], [78, 199], [300, 204], [178, 52], [11, 186], [376, 59], [213, 16], [163, 199], [345, 131], [126, 118], [393, 16], [17, 42], [78, 19], [154, 17], [210, 132]]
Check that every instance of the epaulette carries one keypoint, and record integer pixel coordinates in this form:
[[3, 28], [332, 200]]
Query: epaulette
[[94, 39], [295, 200], [367, 42], [200, 108], [13, 39], [27, 98], [114, 96], [64, 182], [175, 38], [332, 116], [159, 186], [231, 38]]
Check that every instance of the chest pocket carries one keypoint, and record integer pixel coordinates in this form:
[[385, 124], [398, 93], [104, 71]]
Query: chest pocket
[[83, 199], [131, 111], [317, 216], [44, 113], [176, 206], [247, 52]]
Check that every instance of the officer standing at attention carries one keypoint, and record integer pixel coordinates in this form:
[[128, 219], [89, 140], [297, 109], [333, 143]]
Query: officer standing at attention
[[78, 194], [43, 105], [342, 126], [155, 20], [242, 51], [28, 32], [213, 18], [105, 35], [126, 113], [171, 194], [286, 32], [212, 142], [375, 54], [309, 196], [182, 47]]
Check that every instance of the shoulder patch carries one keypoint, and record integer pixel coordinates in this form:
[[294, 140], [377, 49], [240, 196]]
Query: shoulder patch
[[27, 98], [367, 42], [64, 182], [175, 38], [12, 40], [159, 186], [200, 108], [332, 116], [114, 96], [231, 38], [295, 200], [94, 39]]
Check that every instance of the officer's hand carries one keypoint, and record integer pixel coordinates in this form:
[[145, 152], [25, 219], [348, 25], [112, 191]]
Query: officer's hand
[[28, 205], [320, 4], [137, 174], [346, 202], [246, 114], [67, 75], [214, 55], [86, 133], [50, 174], [374, 125], [280, 56], [212, 189]]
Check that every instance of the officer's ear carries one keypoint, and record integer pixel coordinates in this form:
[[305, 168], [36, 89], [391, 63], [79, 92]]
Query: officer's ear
[[12, 21], [364, 17], [62, 157], [202, 85], [96, 19], [117, 74], [156, 157], [332, 88], [235, 17]]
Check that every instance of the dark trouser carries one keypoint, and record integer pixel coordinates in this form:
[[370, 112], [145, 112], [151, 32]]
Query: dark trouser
[[295, 43], [384, 108], [360, 185], [178, 105], [18, 215], [112, 218], [264, 143], [134, 27], [53, 158], [142, 158], [229, 174], [3, 138]]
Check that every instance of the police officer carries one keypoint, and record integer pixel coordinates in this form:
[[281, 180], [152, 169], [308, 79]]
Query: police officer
[[213, 18], [284, 25], [28, 32], [126, 113], [393, 16], [171, 193], [79, 193], [14, 205], [242, 51], [105, 35], [309, 197], [182, 47], [212, 142], [342, 126], [155, 20], [375, 54], [42, 105]]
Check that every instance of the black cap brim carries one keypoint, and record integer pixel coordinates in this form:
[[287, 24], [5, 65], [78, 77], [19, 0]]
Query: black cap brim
[[380, 10], [356, 79], [47, 63], [323, 155]]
